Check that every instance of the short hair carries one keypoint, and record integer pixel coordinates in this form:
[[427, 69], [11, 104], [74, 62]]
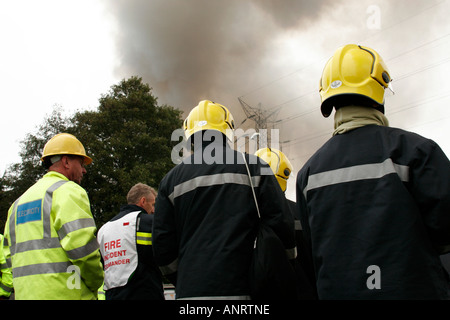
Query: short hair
[[47, 162], [138, 191]]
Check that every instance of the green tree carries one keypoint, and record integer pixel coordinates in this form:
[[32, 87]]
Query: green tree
[[128, 137], [20, 176], [129, 140]]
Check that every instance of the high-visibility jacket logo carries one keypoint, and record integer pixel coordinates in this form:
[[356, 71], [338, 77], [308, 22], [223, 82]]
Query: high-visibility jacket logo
[[30, 211]]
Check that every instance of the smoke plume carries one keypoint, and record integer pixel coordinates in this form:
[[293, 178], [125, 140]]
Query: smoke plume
[[273, 51], [189, 50]]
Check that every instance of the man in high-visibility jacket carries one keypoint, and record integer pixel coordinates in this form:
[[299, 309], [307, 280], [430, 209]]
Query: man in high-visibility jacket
[[6, 286], [50, 241]]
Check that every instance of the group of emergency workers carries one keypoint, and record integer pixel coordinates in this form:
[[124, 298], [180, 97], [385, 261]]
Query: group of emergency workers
[[371, 196]]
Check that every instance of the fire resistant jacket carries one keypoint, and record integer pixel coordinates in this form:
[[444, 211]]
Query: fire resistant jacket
[[375, 208], [205, 221], [134, 274], [50, 242], [304, 269]]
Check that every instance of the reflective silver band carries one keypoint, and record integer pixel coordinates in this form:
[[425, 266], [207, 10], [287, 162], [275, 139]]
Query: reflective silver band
[[144, 238], [6, 288], [41, 268], [38, 244], [355, 173], [12, 230], [47, 207], [74, 226], [211, 180], [83, 251]]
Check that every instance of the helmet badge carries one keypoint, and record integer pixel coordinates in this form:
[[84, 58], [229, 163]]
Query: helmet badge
[[336, 84]]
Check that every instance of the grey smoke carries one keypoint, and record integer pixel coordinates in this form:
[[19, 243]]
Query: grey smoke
[[189, 50]]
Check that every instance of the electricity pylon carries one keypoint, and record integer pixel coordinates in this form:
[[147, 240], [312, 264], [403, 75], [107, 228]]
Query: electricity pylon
[[262, 118]]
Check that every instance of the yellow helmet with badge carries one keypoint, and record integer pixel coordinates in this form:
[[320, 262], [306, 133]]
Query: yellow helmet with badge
[[278, 162], [353, 70], [65, 144], [208, 115]]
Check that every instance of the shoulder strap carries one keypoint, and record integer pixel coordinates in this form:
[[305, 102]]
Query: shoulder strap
[[251, 184]]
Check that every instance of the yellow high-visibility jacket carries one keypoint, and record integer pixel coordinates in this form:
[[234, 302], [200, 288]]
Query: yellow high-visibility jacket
[[50, 242], [6, 285]]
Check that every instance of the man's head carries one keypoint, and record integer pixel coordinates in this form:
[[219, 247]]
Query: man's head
[[354, 75], [65, 154], [143, 196]]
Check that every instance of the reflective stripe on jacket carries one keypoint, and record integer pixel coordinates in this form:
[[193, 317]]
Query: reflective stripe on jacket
[[51, 244]]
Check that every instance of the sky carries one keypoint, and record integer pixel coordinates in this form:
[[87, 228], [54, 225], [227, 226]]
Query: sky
[[268, 53]]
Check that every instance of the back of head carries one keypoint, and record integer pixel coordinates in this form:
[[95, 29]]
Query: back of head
[[354, 75], [208, 115], [138, 191], [278, 162]]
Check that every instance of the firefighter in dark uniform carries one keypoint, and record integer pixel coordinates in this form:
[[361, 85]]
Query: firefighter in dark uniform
[[282, 169], [205, 218], [126, 247], [374, 200]]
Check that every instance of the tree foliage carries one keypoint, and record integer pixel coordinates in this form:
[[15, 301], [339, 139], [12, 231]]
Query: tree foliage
[[20, 176], [128, 137]]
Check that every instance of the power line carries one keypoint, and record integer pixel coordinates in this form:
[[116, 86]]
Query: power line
[[418, 103], [402, 77], [395, 110], [396, 79], [328, 132], [419, 46], [307, 138], [323, 58], [428, 122], [299, 115], [431, 66]]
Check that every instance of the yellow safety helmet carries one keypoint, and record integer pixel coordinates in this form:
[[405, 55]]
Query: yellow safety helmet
[[278, 162], [65, 144], [208, 115], [353, 70]]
